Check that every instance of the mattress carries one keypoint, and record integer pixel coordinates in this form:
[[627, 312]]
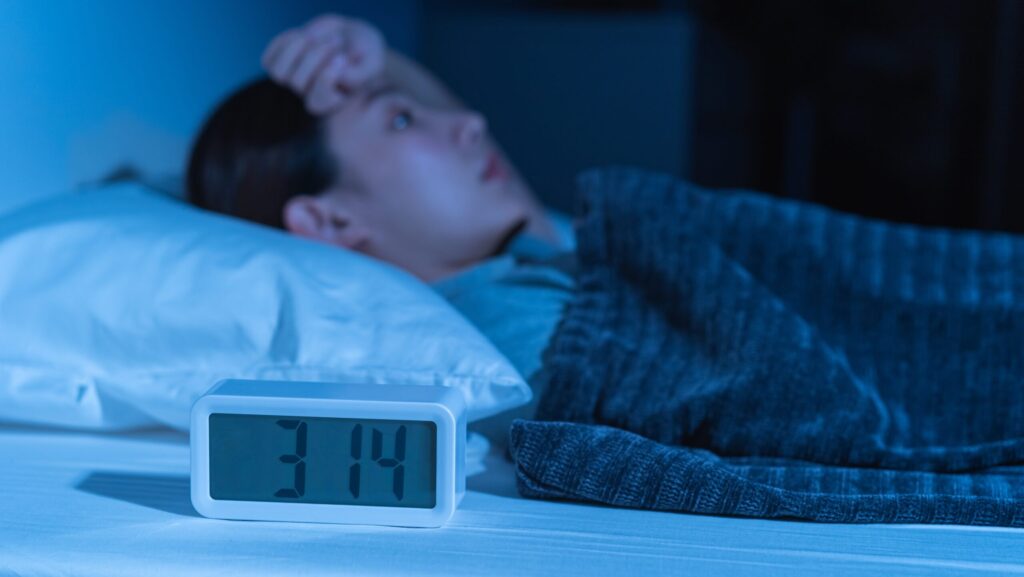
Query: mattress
[[77, 503]]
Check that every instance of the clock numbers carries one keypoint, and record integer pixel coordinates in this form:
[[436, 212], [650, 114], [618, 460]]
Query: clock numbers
[[398, 475], [395, 462], [353, 471], [297, 458]]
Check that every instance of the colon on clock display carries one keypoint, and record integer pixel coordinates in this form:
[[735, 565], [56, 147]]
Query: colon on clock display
[[322, 460]]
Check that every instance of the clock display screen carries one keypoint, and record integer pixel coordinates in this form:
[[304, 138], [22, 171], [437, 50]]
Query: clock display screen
[[370, 462]]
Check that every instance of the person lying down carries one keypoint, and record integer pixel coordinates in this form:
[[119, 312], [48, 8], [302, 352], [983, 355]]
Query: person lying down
[[724, 353], [350, 143]]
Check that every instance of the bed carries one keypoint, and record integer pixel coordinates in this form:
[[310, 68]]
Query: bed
[[82, 504], [106, 503]]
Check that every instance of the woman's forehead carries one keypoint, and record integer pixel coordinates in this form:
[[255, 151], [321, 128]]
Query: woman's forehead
[[367, 99], [361, 104]]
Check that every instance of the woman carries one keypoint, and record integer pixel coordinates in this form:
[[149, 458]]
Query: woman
[[351, 144]]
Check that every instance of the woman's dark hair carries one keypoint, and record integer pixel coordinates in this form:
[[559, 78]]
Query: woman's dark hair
[[258, 149]]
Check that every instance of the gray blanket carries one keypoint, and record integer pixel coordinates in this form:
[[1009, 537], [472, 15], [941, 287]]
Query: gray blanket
[[739, 354]]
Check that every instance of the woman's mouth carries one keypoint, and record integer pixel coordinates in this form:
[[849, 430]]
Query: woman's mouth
[[495, 169]]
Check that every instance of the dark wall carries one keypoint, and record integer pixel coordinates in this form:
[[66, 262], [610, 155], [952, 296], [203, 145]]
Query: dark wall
[[905, 110], [909, 110], [567, 89]]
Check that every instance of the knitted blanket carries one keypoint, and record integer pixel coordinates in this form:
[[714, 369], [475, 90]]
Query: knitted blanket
[[733, 353]]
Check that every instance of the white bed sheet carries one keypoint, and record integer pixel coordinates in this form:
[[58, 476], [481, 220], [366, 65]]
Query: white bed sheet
[[76, 503]]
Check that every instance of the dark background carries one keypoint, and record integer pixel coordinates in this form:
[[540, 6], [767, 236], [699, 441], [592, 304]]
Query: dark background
[[907, 110]]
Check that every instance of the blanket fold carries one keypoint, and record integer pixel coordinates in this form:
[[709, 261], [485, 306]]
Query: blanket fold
[[735, 353]]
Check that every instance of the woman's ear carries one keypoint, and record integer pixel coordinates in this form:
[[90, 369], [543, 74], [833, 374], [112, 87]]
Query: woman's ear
[[324, 219]]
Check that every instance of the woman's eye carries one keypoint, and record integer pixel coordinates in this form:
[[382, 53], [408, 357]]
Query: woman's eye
[[401, 120]]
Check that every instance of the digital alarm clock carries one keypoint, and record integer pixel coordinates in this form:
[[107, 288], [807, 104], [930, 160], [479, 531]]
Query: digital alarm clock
[[328, 452]]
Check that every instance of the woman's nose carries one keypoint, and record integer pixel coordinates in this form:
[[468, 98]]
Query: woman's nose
[[471, 127]]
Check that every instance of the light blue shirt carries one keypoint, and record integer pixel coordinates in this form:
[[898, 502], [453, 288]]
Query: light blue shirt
[[516, 300]]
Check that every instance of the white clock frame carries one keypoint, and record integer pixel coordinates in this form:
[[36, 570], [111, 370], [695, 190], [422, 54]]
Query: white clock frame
[[443, 406]]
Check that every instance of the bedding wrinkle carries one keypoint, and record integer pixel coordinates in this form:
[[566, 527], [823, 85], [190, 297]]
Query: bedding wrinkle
[[282, 346], [147, 302], [778, 329]]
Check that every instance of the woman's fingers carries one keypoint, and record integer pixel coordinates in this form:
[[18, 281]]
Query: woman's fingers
[[327, 92], [369, 63], [272, 50], [287, 58], [325, 60], [365, 50], [325, 26], [313, 62]]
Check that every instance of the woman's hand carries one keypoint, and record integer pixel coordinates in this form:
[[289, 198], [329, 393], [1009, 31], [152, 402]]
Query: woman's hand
[[326, 60]]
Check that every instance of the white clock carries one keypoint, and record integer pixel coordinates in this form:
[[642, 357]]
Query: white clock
[[328, 452]]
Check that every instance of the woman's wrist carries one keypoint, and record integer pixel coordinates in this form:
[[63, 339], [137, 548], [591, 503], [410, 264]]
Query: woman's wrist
[[417, 81]]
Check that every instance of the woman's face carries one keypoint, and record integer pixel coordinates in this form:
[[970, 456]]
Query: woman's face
[[423, 184]]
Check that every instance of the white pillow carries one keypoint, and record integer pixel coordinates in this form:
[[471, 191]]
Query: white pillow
[[119, 307]]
